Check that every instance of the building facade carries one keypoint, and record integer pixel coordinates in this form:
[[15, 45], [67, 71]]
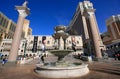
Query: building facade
[[111, 38], [26, 29], [84, 23], [7, 28], [6, 46], [113, 26], [32, 44]]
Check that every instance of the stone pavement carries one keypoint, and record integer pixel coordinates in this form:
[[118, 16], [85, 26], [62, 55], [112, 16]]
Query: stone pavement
[[98, 70]]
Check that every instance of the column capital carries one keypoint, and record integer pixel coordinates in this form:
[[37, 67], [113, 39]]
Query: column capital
[[23, 11], [88, 12]]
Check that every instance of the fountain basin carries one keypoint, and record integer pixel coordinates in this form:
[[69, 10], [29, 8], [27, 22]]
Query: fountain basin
[[62, 72], [60, 53]]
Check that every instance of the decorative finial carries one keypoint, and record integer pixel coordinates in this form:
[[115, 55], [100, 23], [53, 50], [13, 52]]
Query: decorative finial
[[25, 3]]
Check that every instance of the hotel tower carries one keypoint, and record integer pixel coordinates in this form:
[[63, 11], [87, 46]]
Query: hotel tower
[[84, 23]]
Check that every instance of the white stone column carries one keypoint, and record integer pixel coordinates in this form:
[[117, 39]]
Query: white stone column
[[23, 12], [85, 28], [95, 36]]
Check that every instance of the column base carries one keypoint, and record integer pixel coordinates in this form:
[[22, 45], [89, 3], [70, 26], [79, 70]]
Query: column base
[[11, 63], [98, 59]]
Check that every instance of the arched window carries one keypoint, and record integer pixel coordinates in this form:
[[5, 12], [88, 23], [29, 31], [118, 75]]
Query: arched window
[[34, 55], [21, 50], [107, 48], [40, 42], [23, 45], [48, 42], [119, 45], [26, 55], [30, 55], [111, 47], [69, 42], [31, 42]]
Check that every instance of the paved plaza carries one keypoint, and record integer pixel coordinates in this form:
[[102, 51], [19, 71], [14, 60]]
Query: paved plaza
[[109, 69]]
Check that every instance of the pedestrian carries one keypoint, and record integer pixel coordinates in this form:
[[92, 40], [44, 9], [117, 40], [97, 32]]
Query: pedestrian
[[73, 46], [3, 61], [118, 56], [115, 55], [42, 58], [43, 48]]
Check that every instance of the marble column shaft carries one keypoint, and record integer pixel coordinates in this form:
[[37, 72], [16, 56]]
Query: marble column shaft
[[16, 39], [95, 35]]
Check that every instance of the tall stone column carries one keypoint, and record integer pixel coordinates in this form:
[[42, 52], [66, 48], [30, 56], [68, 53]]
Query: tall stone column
[[23, 12], [95, 35]]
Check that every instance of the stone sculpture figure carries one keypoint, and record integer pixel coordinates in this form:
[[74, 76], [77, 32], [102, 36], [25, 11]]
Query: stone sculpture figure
[[25, 4]]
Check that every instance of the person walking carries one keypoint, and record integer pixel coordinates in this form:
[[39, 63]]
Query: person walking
[[115, 56], [118, 56], [73, 43], [42, 58], [73, 46], [3, 61], [43, 48]]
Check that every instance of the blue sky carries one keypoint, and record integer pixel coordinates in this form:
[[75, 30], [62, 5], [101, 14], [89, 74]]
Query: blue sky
[[46, 14]]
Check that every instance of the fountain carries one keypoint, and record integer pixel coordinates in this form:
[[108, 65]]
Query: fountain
[[61, 68]]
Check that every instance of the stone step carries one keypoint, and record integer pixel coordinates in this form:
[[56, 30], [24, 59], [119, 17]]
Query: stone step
[[112, 71], [106, 68]]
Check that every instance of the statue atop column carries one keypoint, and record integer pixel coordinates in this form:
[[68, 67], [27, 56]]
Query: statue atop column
[[25, 4]]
